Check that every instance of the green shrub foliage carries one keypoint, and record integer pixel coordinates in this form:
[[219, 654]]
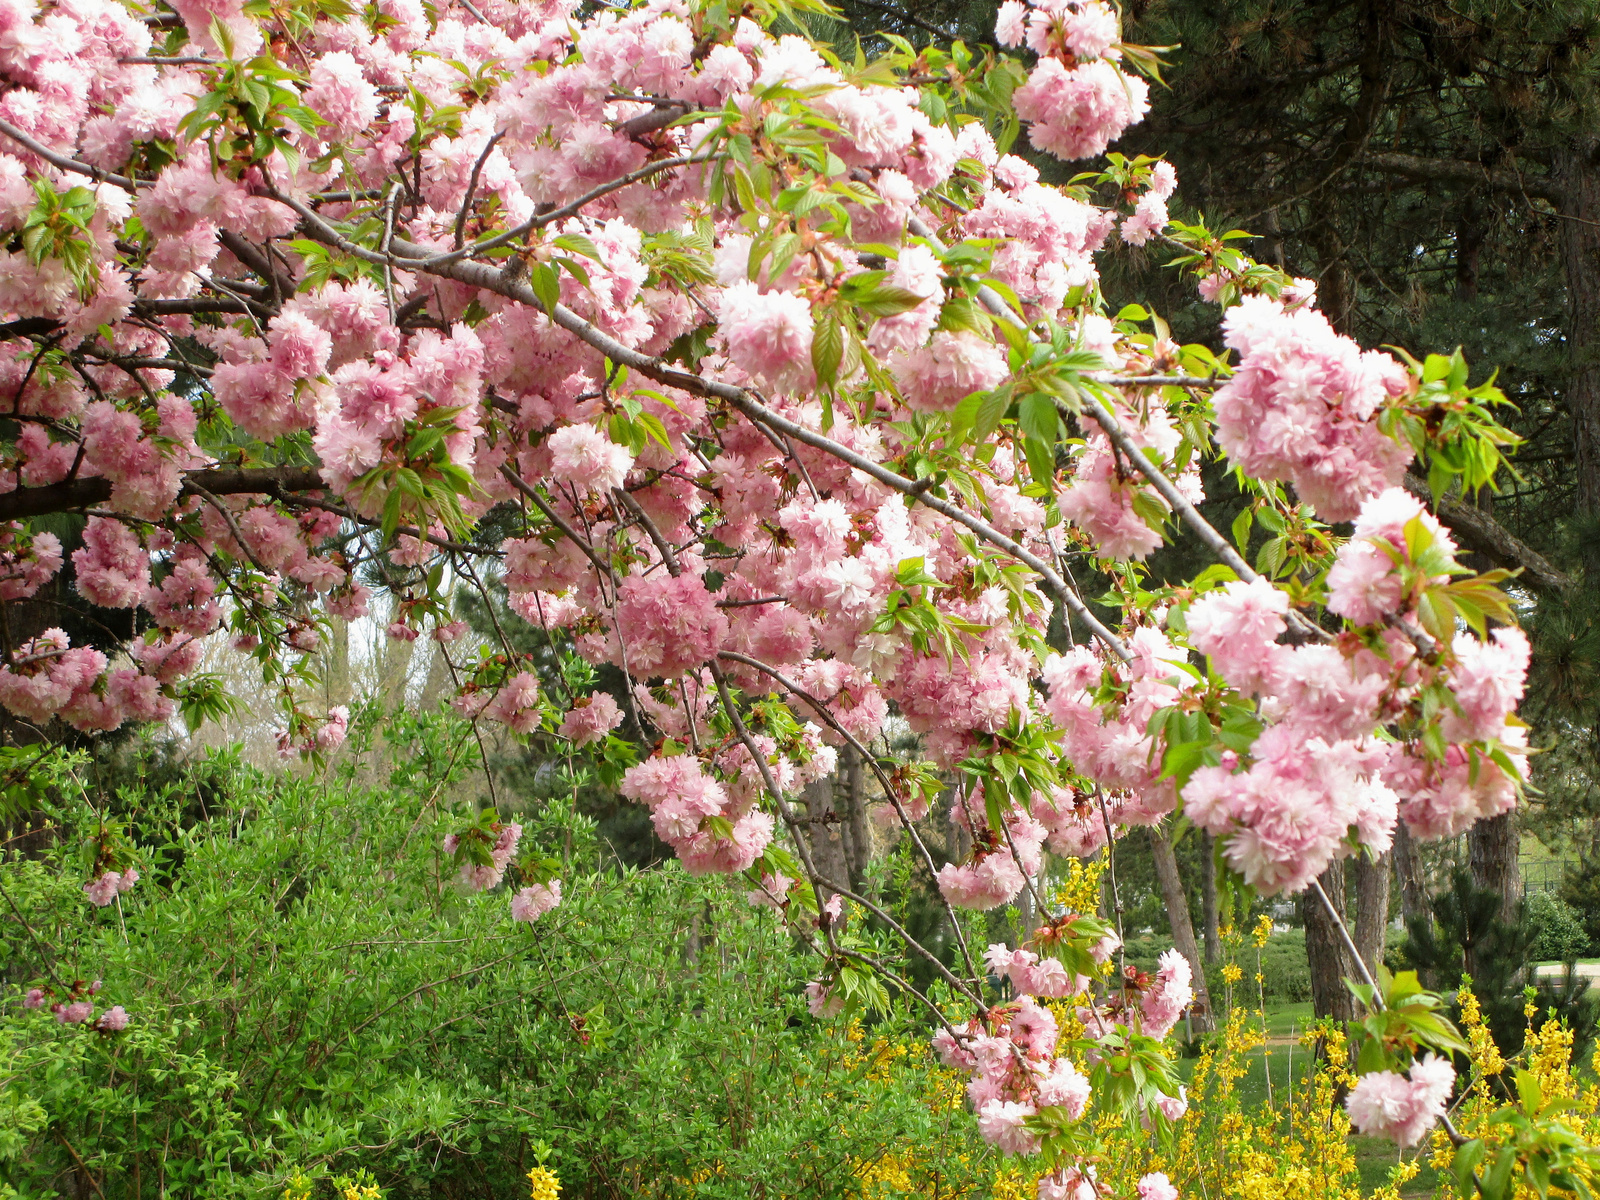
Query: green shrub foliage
[[309, 994]]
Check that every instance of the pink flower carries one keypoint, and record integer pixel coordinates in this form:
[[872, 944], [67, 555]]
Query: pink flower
[[938, 376], [1000, 1122], [103, 889], [332, 734], [768, 335], [1156, 1186], [1069, 1183], [584, 457], [113, 568], [1386, 1104], [1169, 994], [534, 901], [822, 1001], [34, 998], [113, 1020], [75, 1013], [1077, 113], [590, 718], [667, 625], [516, 704], [1303, 407]]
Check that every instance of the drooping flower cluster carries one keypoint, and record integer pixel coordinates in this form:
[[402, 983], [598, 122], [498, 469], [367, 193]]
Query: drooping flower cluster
[[1076, 98], [694, 814], [532, 902], [1015, 1072], [479, 876], [104, 888], [1402, 1107], [1303, 404], [692, 320]]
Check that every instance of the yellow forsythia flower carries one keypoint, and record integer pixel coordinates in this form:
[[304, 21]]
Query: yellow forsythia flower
[[544, 1182]]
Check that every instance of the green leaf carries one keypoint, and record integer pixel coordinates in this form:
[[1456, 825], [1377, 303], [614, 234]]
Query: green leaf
[[827, 348]]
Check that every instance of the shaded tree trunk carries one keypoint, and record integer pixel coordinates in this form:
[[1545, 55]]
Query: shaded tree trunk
[[1372, 908], [1408, 876], [1172, 895], [1578, 172], [1208, 898], [825, 833], [855, 814], [1492, 849], [1330, 963]]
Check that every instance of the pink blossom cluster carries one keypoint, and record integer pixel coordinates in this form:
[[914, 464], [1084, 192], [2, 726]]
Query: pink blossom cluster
[[1077, 99], [1303, 406], [481, 877], [1031, 975], [1402, 1107], [590, 718], [1011, 1055], [684, 803], [1149, 216], [28, 561], [1170, 992], [1100, 498], [1001, 863], [1111, 745], [532, 902], [516, 704], [108, 885]]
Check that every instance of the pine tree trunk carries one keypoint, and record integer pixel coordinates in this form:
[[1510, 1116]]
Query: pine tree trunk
[[1372, 908], [828, 854], [1172, 895], [1492, 849], [1208, 897], [1414, 903], [1329, 961], [855, 813], [1578, 170]]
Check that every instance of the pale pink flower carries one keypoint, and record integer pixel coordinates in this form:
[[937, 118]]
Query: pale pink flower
[[533, 901]]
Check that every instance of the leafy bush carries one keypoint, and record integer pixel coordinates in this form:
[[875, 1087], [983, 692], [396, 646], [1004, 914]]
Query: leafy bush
[[310, 994], [1559, 933]]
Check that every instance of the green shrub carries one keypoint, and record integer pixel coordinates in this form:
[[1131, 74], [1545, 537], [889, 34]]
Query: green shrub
[[1558, 928], [310, 994]]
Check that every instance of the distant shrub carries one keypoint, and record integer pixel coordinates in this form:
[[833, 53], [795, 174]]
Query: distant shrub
[[1559, 933]]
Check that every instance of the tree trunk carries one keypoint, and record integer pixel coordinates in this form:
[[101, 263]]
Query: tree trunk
[[1208, 897], [1372, 908], [855, 814], [1492, 848], [1414, 904], [828, 854], [1177, 903], [1329, 961], [1578, 172]]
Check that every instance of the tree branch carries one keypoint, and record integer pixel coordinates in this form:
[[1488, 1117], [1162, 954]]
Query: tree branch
[[221, 481], [1476, 530], [1439, 170]]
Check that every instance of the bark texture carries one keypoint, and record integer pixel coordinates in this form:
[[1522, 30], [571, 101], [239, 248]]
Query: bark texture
[[1579, 176], [1330, 962], [1172, 895], [1408, 876], [828, 852], [1492, 850], [1372, 907]]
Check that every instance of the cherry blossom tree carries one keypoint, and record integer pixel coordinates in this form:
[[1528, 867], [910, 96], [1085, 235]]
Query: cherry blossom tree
[[800, 398]]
